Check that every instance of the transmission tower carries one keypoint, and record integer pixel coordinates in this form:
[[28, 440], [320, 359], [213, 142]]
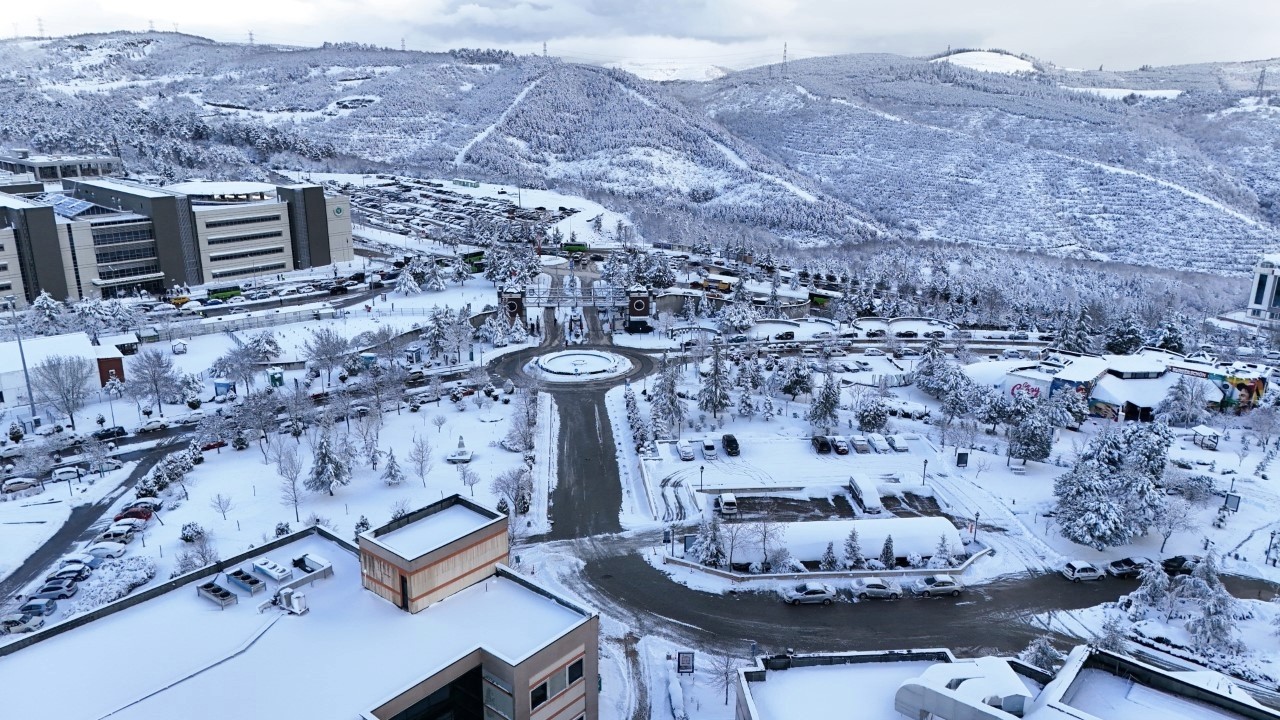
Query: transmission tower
[[250, 37], [39, 27], [1262, 82], [151, 26], [544, 48], [784, 59]]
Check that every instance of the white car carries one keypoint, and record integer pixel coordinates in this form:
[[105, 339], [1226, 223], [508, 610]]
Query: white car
[[685, 450], [809, 593], [153, 426], [878, 443], [106, 549], [873, 352], [1078, 570], [709, 449], [897, 442], [25, 623]]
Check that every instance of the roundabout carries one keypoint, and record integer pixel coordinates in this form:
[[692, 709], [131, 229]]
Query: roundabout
[[578, 365]]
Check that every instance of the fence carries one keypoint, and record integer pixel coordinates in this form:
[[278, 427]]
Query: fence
[[737, 577]]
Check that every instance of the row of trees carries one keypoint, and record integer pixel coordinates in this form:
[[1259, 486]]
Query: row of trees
[[716, 542]]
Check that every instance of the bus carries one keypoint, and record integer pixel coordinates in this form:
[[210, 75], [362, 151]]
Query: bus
[[865, 494], [473, 259], [222, 293]]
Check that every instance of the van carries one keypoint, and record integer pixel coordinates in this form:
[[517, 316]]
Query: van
[[726, 504], [709, 449], [865, 495]]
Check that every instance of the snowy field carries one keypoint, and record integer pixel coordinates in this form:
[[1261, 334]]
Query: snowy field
[[986, 61]]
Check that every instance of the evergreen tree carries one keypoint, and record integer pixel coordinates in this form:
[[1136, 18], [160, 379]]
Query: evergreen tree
[[362, 525], [993, 408], [1169, 337], [824, 410], [392, 475], [1108, 448], [458, 271], [941, 557], [1031, 439], [432, 278], [873, 416], [774, 305], [746, 407], [714, 395], [406, 283], [1186, 404], [1123, 337], [1085, 511], [829, 562], [668, 411], [1215, 627], [1154, 588], [887, 556], [708, 548], [45, 316], [796, 379], [1074, 335], [328, 468], [853, 550], [1041, 653], [1147, 447]]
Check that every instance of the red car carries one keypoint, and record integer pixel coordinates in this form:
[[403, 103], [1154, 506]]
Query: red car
[[134, 513], [213, 445]]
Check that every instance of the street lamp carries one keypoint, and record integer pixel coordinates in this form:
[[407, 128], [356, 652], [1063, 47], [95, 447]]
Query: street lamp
[[13, 313], [924, 474], [702, 470], [977, 515]]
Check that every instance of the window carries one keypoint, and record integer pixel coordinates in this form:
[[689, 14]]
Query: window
[[242, 221], [538, 696], [575, 671], [556, 684], [4, 266], [247, 254], [6, 286], [138, 253], [245, 238], [122, 236], [248, 270]]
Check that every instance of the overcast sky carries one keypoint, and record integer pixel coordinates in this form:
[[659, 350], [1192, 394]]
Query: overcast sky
[[732, 33]]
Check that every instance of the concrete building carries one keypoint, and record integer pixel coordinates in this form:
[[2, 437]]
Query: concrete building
[[1264, 293], [302, 638], [103, 237], [1093, 684], [52, 168]]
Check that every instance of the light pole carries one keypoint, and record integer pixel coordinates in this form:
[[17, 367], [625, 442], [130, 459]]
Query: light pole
[[924, 474], [13, 314], [702, 470], [977, 515]]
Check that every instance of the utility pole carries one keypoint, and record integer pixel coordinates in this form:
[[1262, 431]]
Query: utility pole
[[401, 44], [39, 27], [784, 59], [250, 37], [1262, 82], [544, 50], [151, 26]]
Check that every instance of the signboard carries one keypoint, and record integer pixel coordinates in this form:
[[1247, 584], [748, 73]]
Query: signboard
[[684, 663], [689, 541], [962, 459], [1231, 502]]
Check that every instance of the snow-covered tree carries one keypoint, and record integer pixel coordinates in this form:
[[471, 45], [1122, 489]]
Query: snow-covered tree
[[888, 557], [873, 416], [1123, 337], [824, 410], [746, 407], [708, 548], [1042, 654], [829, 562], [993, 408], [392, 475], [406, 283], [796, 379], [433, 279], [714, 395], [1154, 587], [1031, 439], [328, 468], [1085, 511], [46, 316], [1186, 403], [852, 556], [62, 381]]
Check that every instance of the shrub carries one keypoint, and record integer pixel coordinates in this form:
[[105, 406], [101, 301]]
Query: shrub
[[282, 529], [113, 580], [191, 532]]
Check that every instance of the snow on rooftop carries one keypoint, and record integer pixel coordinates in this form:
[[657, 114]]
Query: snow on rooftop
[[131, 188], [986, 61], [829, 691], [39, 349], [212, 663], [232, 187], [16, 203], [433, 531], [1104, 695]]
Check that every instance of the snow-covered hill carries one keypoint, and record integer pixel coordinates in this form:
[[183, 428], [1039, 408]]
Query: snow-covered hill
[[1172, 167]]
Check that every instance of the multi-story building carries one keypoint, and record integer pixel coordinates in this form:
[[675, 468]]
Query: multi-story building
[[286, 630], [1264, 293], [103, 237]]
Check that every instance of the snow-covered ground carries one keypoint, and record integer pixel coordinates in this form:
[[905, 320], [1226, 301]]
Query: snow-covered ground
[[987, 61], [1121, 93]]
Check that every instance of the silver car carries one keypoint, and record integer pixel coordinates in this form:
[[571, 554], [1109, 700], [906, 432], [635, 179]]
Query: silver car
[[874, 587], [20, 623], [937, 585], [810, 593]]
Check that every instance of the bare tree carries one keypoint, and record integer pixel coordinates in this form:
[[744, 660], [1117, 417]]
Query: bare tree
[[439, 422], [369, 429], [981, 466], [1242, 452], [767, 533], [734, 535], [468, 478], [724, 672], [420, 458], [511, 484], [1264, 422], [63, 382], [221, 503], [95, 451], [152, 371], [1173, 515], [326, 349], [289, 468], [34, 460]]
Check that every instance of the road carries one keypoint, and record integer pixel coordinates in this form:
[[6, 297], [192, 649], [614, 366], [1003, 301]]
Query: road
[[77, 529]]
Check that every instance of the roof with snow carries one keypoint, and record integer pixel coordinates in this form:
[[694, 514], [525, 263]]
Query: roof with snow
[[1147, 393], [212, 661], [40, 348], [422, 535], [127, 187], [233, 188]]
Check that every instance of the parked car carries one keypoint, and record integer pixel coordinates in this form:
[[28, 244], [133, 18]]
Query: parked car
[[106, 549], [306, 289], [20, 623], [114, 534], [739, 339], [104, 465], [876, 333], [43, 607], [839, 444], [154, 504], [153, 426], [73, 571], [873, 352], [860, 444], [1129, 567], [132, 524], [936, 585], [786, 335], [935, 334], [191, 418], [898, 443], [138, 512], [685, 449], [1019, 336], [879, 443], [874, 587], [213, 445], [56, 589], [237, 300], [18, 485], [110, 433], [731, 447], [906, 334], [709, 449], [821, 444], [1181, 564], [67, 474], [93, 561], [809, 593], [907, 352], [1078, 570], [726, 504]]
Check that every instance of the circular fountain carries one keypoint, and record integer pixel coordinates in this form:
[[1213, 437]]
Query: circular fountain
[[578, 366]]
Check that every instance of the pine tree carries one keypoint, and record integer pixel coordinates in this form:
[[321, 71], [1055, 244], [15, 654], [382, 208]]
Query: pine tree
[[873, 416], [432, 278], [45, 316], [406, 283], [824, 410], [887, 556], [709, 546], [362, 525], [1153, 592], [1085, 511], [668, 411], [392, 475], [1074, 335], [518, 334], [459, 272], [941, 557], [1041, 653], [714, 395], [993, 408], [853, 550], [796, 380], [1124, 337], [774, 305], [1186, 403], [1169, 337], [829, 562], [746, 407], [1031, 439], [328, 468]]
